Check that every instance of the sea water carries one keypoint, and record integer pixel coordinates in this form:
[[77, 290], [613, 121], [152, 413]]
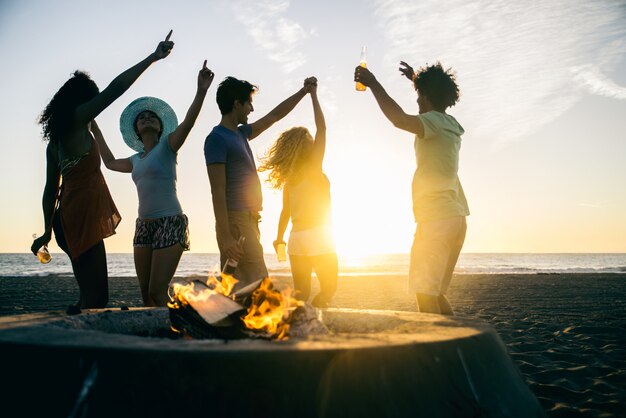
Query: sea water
[[195, 264]]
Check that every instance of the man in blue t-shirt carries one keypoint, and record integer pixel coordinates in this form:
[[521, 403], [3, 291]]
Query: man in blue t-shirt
[[235, 184]]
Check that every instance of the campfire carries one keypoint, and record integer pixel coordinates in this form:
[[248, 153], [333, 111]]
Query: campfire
[[210, 309]]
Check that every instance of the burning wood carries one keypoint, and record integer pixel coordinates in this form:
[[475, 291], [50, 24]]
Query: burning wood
[[198, 310], [270, 310], [209, 310]]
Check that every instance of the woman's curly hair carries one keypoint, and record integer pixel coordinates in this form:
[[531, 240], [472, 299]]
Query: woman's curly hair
[[287, 155], [57, 118], [438, 85]]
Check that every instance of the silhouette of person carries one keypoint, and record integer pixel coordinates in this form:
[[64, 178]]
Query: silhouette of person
[[235, 184], [294, 163], [81, 210], [150, 127], [439, 204]]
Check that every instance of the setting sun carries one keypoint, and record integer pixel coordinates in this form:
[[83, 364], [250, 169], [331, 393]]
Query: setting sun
[[519, 103]]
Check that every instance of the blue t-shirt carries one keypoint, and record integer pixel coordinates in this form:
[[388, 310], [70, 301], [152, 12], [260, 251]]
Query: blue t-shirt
[[155, 178], [243, 186]]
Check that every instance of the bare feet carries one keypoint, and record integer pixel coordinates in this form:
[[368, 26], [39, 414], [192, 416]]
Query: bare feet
[[433, 304], [444, 305]]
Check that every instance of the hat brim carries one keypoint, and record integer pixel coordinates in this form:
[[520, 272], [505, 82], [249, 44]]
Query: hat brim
[[169, 121]]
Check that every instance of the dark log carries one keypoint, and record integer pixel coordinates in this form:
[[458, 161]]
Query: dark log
[[243, 296]]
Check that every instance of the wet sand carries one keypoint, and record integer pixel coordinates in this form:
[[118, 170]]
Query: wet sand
[[565, 333]]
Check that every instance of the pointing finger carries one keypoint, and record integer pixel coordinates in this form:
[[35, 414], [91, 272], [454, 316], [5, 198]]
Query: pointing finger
[[167, 38], [204, 66]]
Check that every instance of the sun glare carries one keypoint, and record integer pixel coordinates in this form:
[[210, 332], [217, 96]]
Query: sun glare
[[373, 230]]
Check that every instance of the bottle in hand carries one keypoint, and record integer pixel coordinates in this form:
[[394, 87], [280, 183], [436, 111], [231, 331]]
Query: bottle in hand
[[231, 264], [362, 63], [43, 254]]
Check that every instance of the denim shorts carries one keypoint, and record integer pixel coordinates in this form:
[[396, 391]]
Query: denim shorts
[[162, 232]]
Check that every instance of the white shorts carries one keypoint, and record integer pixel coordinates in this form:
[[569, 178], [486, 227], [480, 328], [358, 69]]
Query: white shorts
[[435, 251], [313, 241]]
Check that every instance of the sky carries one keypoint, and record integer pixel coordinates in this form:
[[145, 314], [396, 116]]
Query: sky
[[543, 104]]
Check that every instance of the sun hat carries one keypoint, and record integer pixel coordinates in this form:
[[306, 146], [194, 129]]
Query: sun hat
[[169, 122]]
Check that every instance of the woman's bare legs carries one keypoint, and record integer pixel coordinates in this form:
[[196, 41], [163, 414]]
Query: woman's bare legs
[[301, 268], [164, 264], [327, 270], [90, 270], [143, 264]]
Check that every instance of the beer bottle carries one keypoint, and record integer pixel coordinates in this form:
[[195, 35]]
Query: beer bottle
[[43, 254], [362, 63], [231, 264]]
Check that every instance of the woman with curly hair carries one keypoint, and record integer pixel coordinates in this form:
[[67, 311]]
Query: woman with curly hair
[[81, 210], [294, 163]]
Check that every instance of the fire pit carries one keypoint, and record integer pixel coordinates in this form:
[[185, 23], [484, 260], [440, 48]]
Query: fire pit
[[371, 364]]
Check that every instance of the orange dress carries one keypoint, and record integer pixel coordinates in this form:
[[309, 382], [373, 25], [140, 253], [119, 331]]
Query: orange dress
[[87, 211]]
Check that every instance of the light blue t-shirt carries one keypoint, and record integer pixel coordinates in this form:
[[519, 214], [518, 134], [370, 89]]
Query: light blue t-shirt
[[243, 187], [155, 178]]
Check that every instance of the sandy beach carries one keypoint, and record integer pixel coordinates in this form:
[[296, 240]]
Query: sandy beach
[[565, 333]]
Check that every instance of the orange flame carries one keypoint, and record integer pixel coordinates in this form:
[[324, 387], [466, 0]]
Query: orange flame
[[181, 294], [270, 310], [225, 286]]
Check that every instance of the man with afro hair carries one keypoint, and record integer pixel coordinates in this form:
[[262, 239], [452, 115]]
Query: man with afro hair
[[439, 204]]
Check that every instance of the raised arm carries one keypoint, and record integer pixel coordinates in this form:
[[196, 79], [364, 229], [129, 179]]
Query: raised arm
[[319, 146], [123, 165], [390, 108], [49, 199], [178, 137], [278, 112], [89, 110], [406, 70], [283, 220], [217, 178]]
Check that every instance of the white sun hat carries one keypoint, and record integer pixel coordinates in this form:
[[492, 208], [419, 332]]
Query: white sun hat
[[169, 122]]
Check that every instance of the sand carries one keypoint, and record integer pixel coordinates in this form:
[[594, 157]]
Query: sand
[[565, 333]]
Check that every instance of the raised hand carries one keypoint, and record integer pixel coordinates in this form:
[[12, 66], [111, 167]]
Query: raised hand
[[310, 84], [205, 77], [164, 48], [364, 76], [406, 70]]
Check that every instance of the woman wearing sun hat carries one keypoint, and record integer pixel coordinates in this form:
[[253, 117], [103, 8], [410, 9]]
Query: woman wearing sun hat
[[80, 210], [150, 127]]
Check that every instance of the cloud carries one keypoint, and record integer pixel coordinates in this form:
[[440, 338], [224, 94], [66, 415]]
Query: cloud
[[520, 65], [592, 205], [271, 31], [591, 77]]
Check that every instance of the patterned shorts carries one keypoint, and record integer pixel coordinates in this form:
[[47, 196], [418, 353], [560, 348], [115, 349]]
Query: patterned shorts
[[162, 232]]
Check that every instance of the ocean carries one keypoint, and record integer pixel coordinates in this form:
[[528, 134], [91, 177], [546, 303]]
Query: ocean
[[194, 264]]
